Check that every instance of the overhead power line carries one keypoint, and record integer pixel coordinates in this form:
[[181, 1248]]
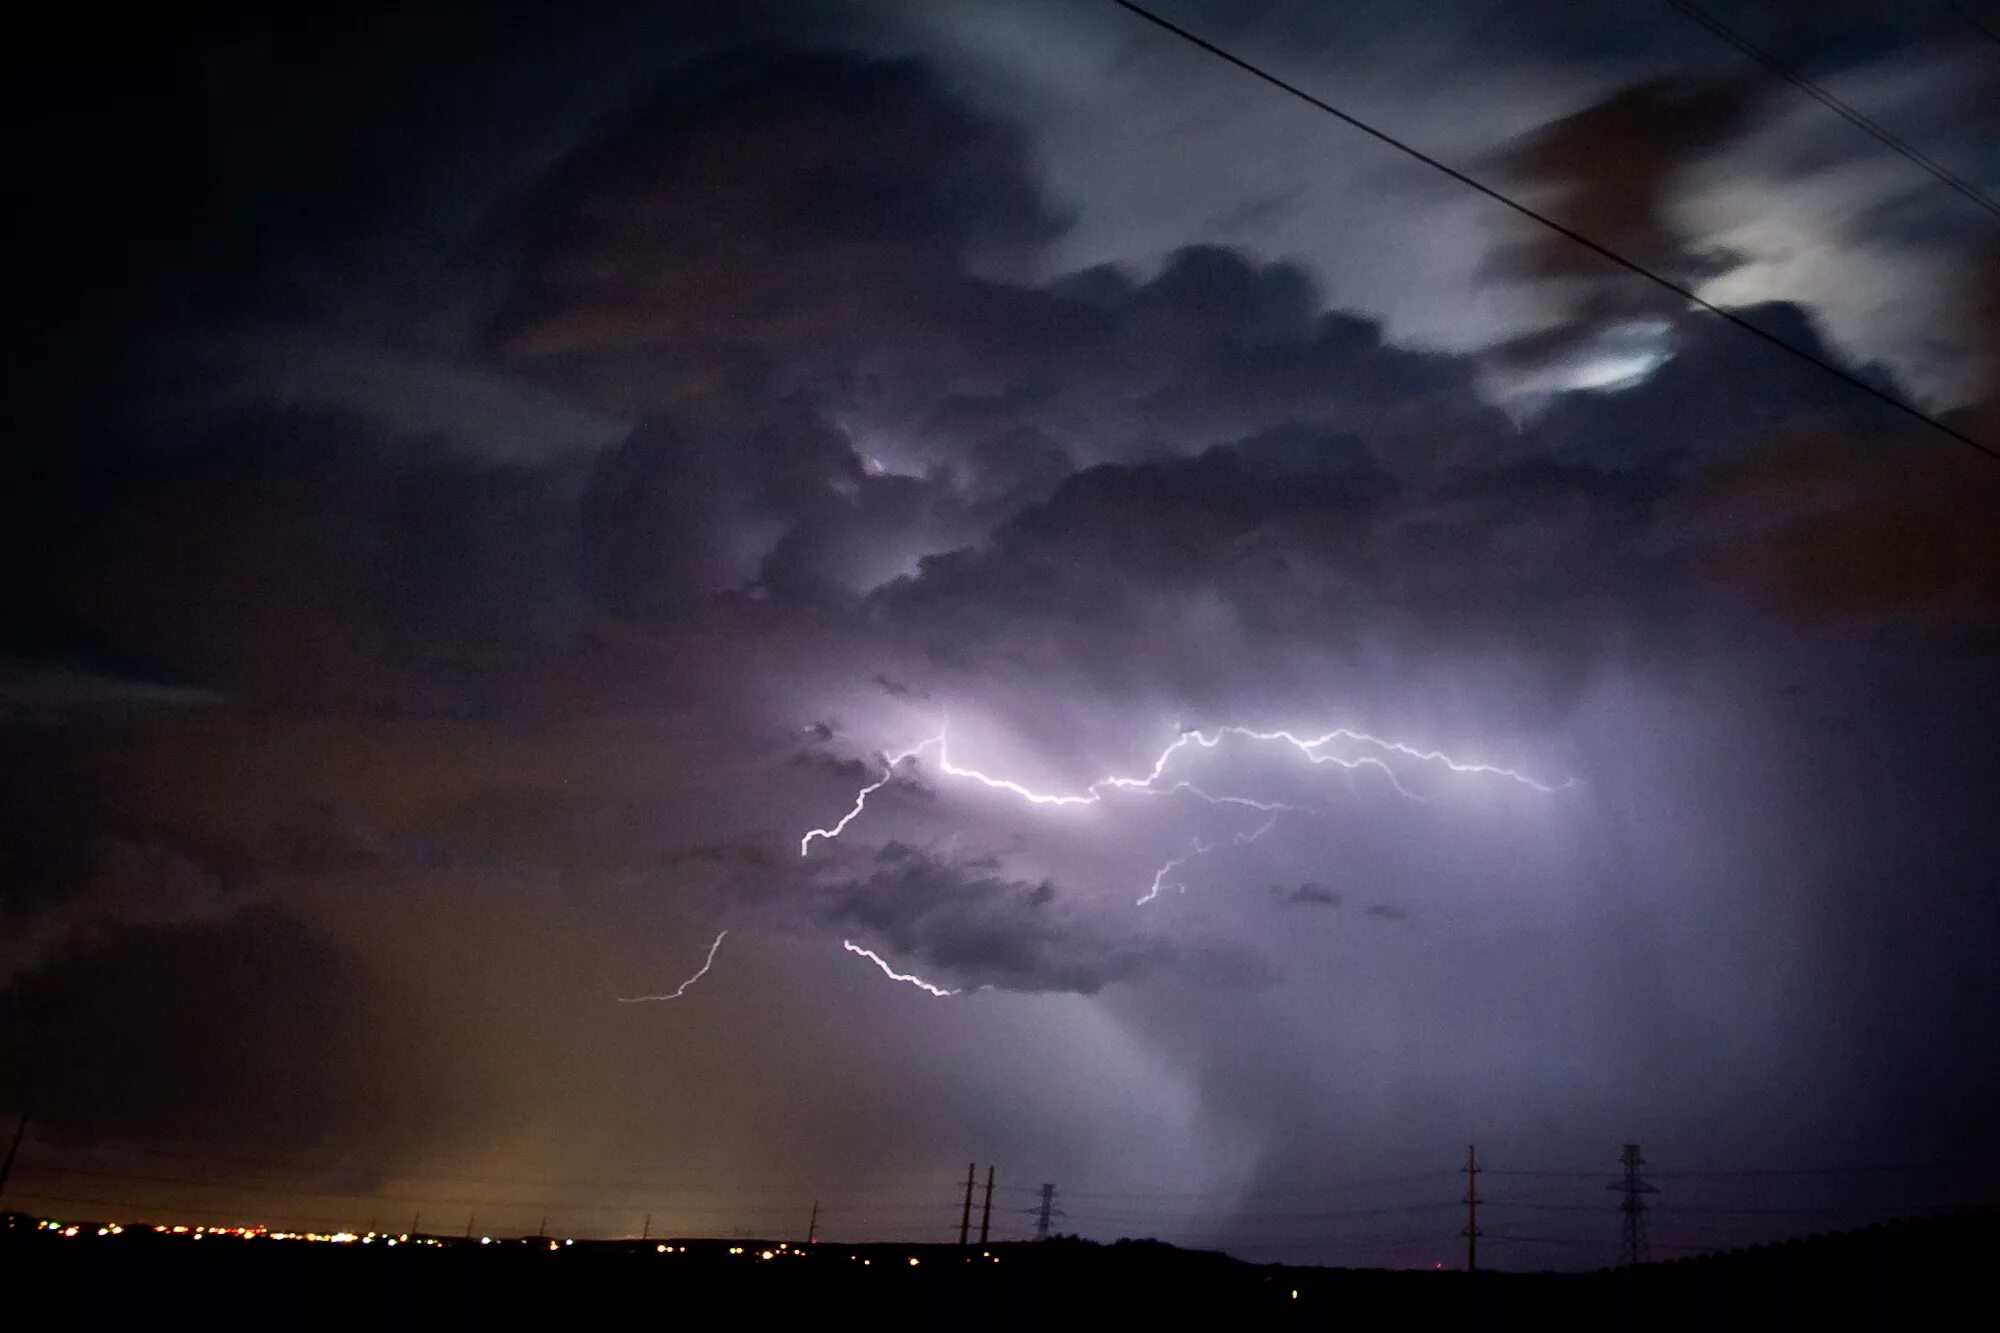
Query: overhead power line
[[1855, 1169], [1988, 33], [1890, 1168], [1328, 1186], [1810, 1210], [1859, 120], [1570, 233], [1320, 1215]]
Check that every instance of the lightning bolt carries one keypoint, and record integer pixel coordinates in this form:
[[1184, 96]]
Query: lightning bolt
[[682, 989], [893, 975], [1315, 749], [1311, 748], [1199, 848], [889, 762]]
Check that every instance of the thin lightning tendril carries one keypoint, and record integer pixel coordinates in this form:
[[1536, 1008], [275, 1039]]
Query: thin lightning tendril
[[939, 991], [683, 988], [1199, 848]]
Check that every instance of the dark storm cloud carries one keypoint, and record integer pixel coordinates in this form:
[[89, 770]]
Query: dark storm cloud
[[51, 660], [981, 929], [87, 849], [1345, 494], [1827, 530], [897, 689], [193, 1031], [677, 513], [837, 773], [777, 392], [1213, 349], [665, 245], [1310, 895], [1250, 211], [1385, 912], [1315, 552], [1336, 497], [724, 854], [767, 490], [332, 564], [1982, 318]]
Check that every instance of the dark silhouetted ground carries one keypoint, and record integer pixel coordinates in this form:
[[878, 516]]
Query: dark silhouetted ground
[[1915, 1274]]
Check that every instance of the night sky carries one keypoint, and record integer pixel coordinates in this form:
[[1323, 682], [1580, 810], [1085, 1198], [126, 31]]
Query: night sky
[[483, 489]]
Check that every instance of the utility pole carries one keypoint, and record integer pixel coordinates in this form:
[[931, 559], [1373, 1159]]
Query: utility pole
[[986, 1213], [7, 1167], [1633, 1251], [965, 1218], [812, 1227], [1471, 1170], [1044, 1213]]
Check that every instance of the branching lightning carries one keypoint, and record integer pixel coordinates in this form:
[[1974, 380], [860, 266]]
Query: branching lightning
[[1198, 848], [939, 991], [1314, 748], [1377, 754], [683, 987], [861, 797]]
